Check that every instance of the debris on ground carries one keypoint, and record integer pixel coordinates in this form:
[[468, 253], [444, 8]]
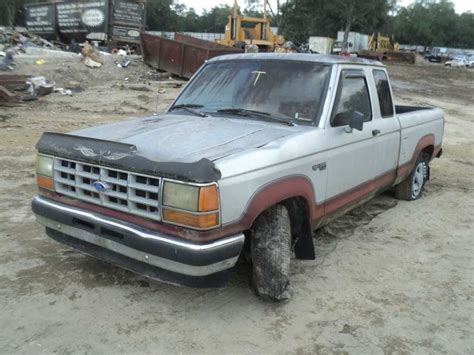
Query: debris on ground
[[18, 42], [19, 39], [40, 86], [58, 70], [124, 63], [89, 62], [63, 92], [7, 61], [10, 86], [91, 56], [15, 89], [74, 86]]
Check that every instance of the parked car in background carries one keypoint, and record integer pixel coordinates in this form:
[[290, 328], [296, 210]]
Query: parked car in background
[[470, 61], [436, 55], [458, 61]]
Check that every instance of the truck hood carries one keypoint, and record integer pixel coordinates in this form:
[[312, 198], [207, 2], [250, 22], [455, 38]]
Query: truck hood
[[185, 138]]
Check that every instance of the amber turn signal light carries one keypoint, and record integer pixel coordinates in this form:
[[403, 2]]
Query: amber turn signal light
[[200, 221], [208, 199], [45, 182]]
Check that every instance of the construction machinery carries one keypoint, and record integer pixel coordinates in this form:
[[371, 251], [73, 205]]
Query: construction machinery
[[377, 42], [242, 31], [386, 49]]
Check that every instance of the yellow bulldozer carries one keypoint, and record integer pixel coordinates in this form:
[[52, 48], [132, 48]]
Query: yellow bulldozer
[[377, 42], [386, 49], [242, 31]]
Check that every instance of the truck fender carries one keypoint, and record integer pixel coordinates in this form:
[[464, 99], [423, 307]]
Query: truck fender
[[287, 190], [423, 143]]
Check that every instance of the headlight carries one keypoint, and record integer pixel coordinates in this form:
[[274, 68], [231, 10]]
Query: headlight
[[191, 205], [44, 172], [181, 196], [44, 165]]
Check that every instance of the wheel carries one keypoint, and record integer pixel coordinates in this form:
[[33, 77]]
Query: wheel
[[410, 189], [270, 248]]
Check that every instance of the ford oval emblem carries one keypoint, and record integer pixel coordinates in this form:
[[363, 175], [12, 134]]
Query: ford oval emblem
[[101, 186]]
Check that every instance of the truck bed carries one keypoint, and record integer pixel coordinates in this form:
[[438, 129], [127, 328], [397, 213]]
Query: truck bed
[[418, 123]]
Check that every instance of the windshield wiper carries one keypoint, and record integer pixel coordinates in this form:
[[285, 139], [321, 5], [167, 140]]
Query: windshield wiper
[[253, 113], [189, 108]]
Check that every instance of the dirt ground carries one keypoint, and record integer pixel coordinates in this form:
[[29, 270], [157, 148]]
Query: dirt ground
[[389, 278]]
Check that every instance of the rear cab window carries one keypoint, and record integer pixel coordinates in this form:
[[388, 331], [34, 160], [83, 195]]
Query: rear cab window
[[352, 95], [383, 93]]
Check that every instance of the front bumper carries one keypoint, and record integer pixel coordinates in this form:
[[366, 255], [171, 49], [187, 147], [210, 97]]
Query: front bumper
[[151, 253]]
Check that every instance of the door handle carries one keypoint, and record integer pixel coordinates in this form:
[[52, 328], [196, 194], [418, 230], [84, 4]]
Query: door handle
[[375, 132]]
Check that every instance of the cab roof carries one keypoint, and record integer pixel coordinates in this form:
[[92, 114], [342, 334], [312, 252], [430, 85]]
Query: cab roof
[[306, 57]]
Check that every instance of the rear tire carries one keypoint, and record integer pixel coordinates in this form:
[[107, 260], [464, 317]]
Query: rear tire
[[411, 188], [271, 253]]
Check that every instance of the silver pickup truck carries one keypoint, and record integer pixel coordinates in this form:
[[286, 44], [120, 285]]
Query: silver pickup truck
[[256, 152]]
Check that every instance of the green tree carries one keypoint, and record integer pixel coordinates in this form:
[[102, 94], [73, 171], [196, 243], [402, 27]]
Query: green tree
[[304, 18], [464, 35], [363, 14], [433, 24], [215, 19], [161, 15], [190, 21]]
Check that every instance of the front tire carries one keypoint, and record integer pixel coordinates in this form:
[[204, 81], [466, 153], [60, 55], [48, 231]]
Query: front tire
[[271, 253], [411, 188]]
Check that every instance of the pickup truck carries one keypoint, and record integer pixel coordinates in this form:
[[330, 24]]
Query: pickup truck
[[255, 153]]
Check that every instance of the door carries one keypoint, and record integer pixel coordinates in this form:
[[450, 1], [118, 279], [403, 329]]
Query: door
[[351, 156], [388, 131]]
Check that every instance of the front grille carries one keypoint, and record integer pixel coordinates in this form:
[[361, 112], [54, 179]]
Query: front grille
[[128, 192]]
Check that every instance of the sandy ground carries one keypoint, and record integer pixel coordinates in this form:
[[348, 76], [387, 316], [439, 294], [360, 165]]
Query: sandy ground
[[389, 278]]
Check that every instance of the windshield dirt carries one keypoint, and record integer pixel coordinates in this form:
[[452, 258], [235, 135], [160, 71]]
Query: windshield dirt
[[282, 89]]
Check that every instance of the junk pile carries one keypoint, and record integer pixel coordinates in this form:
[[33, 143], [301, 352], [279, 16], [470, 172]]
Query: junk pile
[[20, 42], [7, 62], [15, 89], [19, 39]]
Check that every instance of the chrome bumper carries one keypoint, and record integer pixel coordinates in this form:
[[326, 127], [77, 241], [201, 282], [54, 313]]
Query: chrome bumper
[[145, 246]]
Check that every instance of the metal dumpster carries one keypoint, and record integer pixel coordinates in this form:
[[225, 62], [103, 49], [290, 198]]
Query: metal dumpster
[[182, 56]]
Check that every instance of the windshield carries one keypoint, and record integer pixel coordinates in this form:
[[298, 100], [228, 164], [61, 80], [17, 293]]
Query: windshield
[[282, 89]]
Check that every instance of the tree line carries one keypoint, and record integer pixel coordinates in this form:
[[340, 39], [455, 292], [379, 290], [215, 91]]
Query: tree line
[[425, 23]]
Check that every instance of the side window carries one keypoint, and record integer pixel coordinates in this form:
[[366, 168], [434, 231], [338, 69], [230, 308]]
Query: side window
[[352, 95], [383, 92]]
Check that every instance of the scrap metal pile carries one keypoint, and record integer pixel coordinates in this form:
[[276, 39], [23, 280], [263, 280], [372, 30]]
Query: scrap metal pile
[[19, 43], [15, 89]]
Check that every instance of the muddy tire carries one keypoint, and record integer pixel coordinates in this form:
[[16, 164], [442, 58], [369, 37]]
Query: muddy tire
[[411, 188], [270, 249]]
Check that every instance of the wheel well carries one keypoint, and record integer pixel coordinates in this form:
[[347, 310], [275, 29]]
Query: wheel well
[[301, 233], [429, 150], [298, 210]]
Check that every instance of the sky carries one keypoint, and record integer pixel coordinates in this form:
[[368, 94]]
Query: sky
[[459, 5]]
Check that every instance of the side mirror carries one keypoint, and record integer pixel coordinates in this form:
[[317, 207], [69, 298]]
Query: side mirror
[[356, 121]]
